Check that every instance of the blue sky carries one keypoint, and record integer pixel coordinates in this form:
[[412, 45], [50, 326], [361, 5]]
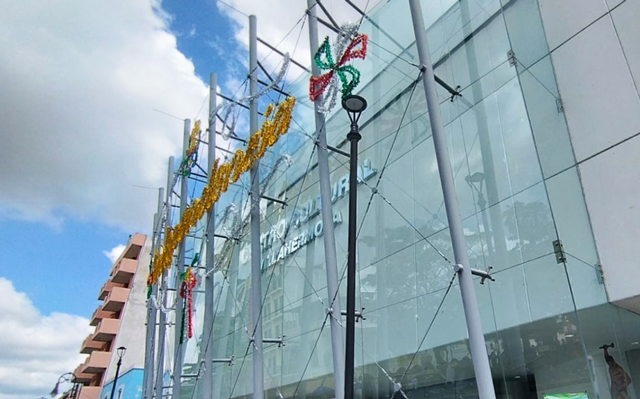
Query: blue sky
[[80, 139], [62, 267], [57, 229], [60, 270], [202, 34]]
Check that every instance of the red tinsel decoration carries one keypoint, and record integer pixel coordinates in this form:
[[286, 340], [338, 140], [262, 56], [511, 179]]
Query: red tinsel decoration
[[317, 85], [186, 291]]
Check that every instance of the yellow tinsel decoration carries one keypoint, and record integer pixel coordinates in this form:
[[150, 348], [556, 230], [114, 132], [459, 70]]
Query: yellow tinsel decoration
[[219, 179]]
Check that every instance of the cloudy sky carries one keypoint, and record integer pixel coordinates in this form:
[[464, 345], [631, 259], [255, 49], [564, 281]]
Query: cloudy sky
[[86, 87]]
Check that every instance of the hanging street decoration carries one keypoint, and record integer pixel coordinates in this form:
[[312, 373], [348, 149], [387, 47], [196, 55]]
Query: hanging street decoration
[[339, 72], [189, 282], [230, 116], [219, 179], [191, 156]]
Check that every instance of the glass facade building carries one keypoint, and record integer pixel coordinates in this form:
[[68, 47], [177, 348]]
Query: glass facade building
[[546, 315]]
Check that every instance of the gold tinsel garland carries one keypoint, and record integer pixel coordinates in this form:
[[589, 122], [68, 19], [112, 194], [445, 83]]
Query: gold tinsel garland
[[220, 177]]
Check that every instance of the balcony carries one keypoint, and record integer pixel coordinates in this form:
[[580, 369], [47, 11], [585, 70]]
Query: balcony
[[107, 330], [89, 392], [100, 314], [124, 270], [115, 300], [134, 246], [90, 344], [106, 288], [82, 378], [97, 362]]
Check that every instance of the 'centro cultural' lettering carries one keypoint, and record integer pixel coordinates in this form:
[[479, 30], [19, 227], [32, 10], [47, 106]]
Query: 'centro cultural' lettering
[[303, 214]]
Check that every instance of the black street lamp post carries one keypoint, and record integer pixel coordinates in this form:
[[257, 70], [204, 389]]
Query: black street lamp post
[[121, 351], [66, 377], [354, 105]]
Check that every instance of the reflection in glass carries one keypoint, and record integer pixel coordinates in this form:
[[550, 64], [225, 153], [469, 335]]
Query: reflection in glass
[[518, 190]]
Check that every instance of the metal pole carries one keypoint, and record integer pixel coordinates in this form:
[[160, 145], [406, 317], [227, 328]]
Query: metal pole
[[467, 290], [115, 380], [152, 313], [256, 273], [149, 341], [178, 347], [209, 309], [229, 308], [353, 136], [331, 259], [162, 324]]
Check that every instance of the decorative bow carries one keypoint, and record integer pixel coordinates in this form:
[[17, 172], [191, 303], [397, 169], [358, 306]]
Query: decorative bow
[[347, 74]]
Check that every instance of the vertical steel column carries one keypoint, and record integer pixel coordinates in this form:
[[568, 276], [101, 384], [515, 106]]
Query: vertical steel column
[[467, 290], [256, 273], [162, 324], [209, 309], [178, 347], [152, 313], [229, 308], [331, 259], [150, 331]]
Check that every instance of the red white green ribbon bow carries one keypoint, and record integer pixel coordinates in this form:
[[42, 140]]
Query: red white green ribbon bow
[[337, 72]]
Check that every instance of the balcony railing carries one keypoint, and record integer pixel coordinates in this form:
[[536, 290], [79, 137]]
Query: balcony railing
[[90, 392], [90, 344], [106, 289], [123, 271], [116, 299], [97, 362], [100, 314], [82, 378], [107, 329]]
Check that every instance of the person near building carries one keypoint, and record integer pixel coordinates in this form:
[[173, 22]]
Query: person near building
[[620, 380]]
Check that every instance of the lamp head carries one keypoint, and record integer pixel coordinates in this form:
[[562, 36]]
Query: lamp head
[[121, 351], [70, 377], [354, 105], [54, 391]]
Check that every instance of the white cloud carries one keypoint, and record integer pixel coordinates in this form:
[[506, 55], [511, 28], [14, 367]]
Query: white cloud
[[79, 82], [114, 253], [35, 350]]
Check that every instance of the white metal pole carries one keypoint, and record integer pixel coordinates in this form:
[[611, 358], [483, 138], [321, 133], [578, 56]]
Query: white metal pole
[[162, 324], [150, 332], [256, 273], [152, 312], [331, 259], [470, 303], [209, 308], [178, 346]]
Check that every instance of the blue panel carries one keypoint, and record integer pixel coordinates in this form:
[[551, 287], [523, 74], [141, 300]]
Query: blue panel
[[128, 386]]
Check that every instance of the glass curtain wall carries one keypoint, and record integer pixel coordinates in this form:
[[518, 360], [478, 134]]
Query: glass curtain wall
[[546, 314]]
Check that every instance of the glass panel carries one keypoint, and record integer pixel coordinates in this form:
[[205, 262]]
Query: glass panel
[[574, 229], [526, 32], [546, 117], [518, 192]]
